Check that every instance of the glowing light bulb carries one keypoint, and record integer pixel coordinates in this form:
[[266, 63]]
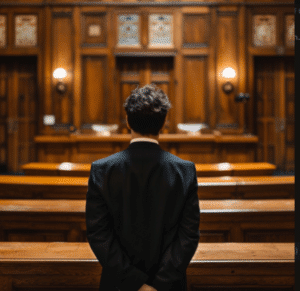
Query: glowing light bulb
[[60, 73], [228, 73]]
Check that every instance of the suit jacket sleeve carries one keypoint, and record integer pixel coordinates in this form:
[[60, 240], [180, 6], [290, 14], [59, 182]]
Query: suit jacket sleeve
[[179, 253], [104, 243]]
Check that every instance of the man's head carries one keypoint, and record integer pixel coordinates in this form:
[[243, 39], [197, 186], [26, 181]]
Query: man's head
[[146, 110]]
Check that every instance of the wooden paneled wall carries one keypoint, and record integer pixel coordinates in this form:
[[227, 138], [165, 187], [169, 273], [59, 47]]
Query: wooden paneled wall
[[62, 55], [207, 37], [82, 39]]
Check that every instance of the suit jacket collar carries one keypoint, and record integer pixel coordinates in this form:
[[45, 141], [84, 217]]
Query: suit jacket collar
[[144, 145]]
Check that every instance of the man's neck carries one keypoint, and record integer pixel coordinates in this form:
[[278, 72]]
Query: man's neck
[[137, 135]]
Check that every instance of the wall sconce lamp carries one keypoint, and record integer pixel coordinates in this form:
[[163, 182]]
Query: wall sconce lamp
[[60, 74], [228, 73]]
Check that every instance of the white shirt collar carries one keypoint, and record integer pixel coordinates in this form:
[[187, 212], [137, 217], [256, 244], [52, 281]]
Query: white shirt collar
[[144, 139]]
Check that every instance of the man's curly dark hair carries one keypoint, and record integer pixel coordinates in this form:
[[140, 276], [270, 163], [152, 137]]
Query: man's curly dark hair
[[146, 109]]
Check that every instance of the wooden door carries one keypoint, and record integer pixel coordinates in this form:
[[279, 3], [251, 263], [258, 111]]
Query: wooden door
[[138, 71], [274, 111], [18, 113]]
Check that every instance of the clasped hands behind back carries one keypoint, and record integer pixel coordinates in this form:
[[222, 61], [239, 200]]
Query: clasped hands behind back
[[146, 287]]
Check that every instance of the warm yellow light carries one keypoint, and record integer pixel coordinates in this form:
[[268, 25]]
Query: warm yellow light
[[60, 73], [228, 73]]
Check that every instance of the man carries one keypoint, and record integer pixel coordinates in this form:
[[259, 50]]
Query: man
[[142, 207]]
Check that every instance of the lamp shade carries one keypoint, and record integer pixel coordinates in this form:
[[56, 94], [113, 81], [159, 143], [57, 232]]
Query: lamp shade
[[228, 73], [60, 73]]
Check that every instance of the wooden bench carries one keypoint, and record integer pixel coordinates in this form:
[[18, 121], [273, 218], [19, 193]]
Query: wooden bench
[[256, 187], [39, 187], [235, 169], [220, 220], [214, 266], [203, 170]]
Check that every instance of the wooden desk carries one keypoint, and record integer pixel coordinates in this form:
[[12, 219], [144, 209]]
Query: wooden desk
[[203, 170], [38, 187], [206, 148], [220, 220], [73, 266]]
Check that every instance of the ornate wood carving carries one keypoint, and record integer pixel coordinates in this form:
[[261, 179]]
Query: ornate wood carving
[[93, 32]]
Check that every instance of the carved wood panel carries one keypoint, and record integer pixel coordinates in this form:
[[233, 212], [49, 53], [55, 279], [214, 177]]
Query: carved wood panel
[[195, 100], [289, 159], [18, 111], [95, 96], [226, 56], [62, 57], [93, 29], [274, 95], [196, 30], [265, 235], [3, 115]]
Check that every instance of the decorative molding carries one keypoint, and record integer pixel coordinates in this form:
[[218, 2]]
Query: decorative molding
[[143, 3], [93, 29], [93, 45], [61, 14], [146, 54], [227, 13], [227, 126], [195, 45]]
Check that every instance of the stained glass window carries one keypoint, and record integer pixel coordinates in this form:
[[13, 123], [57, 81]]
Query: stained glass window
[[128, 30], [26, 30], [264, 30], [2, 31], [161, 30], [290, 30]]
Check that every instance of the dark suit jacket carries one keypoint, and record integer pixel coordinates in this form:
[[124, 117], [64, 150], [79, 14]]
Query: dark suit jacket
[[142, 218]]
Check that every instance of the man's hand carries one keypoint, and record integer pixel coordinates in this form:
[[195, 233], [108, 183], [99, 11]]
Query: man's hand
[[146, 287]]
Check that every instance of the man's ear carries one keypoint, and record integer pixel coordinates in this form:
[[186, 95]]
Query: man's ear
[[127, 122]]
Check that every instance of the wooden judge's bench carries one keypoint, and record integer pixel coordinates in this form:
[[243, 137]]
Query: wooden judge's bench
[[205, 148]]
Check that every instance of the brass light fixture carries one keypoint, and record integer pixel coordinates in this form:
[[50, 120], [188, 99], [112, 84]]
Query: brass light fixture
[[228, 73], [60, 74]]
